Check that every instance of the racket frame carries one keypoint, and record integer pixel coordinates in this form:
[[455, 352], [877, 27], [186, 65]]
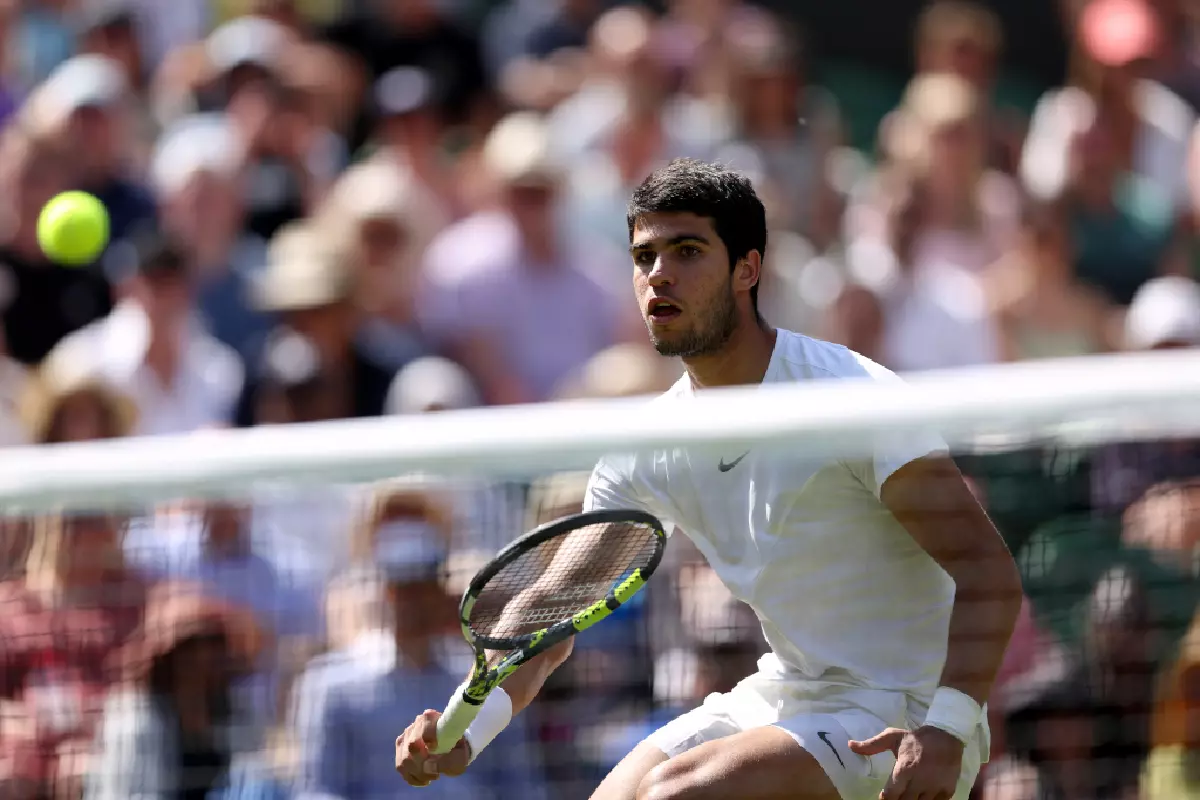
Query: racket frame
[[464, 706]]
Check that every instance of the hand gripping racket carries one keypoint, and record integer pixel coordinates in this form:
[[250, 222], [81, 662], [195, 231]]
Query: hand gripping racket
[[545, 587]]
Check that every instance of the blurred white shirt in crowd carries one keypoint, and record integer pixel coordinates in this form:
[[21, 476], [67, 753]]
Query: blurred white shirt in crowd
[[206, 387], [935, 317]]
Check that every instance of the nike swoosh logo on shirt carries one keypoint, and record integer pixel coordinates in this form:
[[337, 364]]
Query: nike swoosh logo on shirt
[[824, 737], [726, 467]]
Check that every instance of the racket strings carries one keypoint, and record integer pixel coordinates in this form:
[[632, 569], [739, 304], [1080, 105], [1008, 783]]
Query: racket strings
[[559, 577]]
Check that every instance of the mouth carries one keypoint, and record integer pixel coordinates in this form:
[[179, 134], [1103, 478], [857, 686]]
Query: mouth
[[660, 311]]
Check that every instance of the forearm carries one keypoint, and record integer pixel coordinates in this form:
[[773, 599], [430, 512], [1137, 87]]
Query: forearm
[[987, 601], [525, 683]]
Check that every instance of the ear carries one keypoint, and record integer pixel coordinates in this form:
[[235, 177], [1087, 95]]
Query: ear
[[748, 271]]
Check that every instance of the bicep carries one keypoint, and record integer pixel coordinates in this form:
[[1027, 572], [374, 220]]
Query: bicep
[[933, 502]]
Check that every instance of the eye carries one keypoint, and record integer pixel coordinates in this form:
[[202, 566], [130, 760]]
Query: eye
[[644, 258], [689, 251]]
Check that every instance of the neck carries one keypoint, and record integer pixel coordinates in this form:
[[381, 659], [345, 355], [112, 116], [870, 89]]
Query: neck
[[743, 360]]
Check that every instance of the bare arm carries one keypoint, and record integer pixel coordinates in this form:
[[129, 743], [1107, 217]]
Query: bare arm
[[931, 499]]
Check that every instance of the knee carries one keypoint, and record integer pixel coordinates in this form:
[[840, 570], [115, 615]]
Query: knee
[[673, 780]]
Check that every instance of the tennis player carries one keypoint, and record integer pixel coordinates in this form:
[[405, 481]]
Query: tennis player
[[886, 595]]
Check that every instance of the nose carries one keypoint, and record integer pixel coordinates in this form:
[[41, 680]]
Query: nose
[[659, 274]]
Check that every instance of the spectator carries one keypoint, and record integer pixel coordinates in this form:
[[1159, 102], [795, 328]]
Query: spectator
[[197, 173], [153, 347], [410, 137], [86, 103], [407, 533], [67, 401], [385, 221], [1116, 146], [45, 302], [212, 546], [786, 128], [1041, 308], [510, 298], [966, 39], [622, 124], [109, 28], [290, 157], [1118, 39], [942, 220], [165, 733], [53, 687], [307, 284]]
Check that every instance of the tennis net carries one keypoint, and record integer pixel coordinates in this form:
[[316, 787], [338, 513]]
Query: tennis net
[[329, 558]]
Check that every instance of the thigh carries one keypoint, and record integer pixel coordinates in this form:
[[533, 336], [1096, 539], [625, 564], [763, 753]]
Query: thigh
[[709, 722], [765, 763], [622, 783]]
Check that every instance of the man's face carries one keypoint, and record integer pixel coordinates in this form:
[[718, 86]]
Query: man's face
[[93, 133], [683, 284]]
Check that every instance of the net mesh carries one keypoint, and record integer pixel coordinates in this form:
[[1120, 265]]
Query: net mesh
[[338, 598], [559, 577]]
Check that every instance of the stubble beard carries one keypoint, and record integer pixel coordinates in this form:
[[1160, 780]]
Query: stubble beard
[[713, 332]]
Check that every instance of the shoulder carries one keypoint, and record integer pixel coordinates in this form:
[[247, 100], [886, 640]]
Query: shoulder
[[805, 358]]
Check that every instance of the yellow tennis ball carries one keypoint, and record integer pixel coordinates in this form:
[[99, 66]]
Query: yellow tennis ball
[[73, 228]]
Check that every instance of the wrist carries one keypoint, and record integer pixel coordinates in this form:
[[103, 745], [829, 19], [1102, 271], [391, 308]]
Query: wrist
[[493, 717], [954, 712]]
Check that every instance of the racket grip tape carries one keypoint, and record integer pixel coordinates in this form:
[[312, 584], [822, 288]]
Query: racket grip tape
[[453, 723]]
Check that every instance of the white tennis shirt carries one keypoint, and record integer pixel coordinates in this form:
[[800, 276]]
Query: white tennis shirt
[[835, 581]]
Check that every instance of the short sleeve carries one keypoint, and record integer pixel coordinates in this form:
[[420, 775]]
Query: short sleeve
[[892, 450], [611, 487]]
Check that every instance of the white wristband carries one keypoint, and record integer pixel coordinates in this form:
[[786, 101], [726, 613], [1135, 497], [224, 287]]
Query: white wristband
[[493, 717], [955, 713]]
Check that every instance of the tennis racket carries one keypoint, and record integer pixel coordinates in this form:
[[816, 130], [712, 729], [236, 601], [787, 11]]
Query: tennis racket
[[545, 587]]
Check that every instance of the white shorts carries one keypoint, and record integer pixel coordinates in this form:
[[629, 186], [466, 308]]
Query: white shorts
[[822, 716]]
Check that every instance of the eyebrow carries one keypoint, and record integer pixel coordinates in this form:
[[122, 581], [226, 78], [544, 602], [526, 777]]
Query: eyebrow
[[673, 241]]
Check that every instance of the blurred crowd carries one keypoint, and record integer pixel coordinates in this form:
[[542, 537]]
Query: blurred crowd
[[324, 209]]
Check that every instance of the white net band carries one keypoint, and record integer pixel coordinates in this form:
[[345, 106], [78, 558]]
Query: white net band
[[1077, 401]]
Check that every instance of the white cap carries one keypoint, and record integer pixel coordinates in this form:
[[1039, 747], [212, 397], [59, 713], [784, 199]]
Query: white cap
[[429, 383], [79, 82], [1164, 311], [518, 150], [246, 40], [194, 144]]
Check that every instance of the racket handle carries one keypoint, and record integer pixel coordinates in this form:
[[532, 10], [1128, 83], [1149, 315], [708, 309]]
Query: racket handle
[[453, 723]]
